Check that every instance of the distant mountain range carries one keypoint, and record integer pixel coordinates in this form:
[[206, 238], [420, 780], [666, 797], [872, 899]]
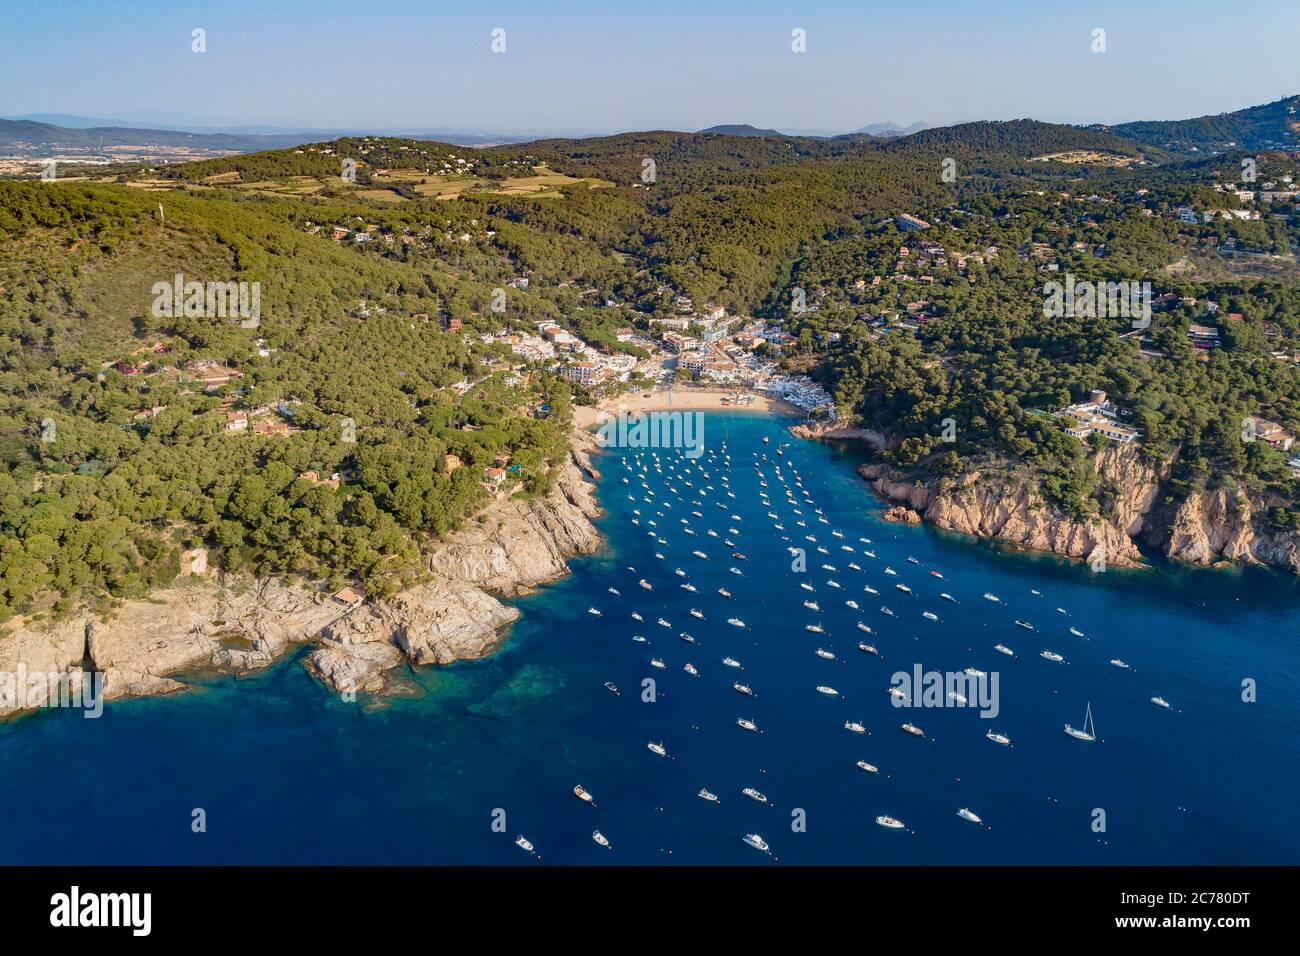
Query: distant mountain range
[[1270, 126], [887, 129]]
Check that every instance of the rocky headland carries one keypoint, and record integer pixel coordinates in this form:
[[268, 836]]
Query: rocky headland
[[237, 624]]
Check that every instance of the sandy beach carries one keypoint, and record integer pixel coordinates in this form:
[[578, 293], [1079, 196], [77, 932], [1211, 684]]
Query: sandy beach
[[682, 399]]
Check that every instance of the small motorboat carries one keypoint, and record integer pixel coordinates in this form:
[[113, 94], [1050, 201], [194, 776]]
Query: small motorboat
[[828, 691], [705, 795], [730, 662], [600, 838], [825, 654], [690, 669], [966, 814], [1120, 664], [1052, 656], [914, 730], [754, 795], [592, 610], [524, 844], [657, 748], [656, 662], [1159, 701], [854, 726], [1003, 649], [889, 823], [744, 724], [868, 649], [612, 687], [929, 615], [757, 842], [998, 738], [743, 689], [583, 795], [868, 767]]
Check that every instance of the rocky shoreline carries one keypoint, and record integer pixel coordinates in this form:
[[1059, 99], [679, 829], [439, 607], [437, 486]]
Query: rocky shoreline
[[1207, 526], [235, 624]]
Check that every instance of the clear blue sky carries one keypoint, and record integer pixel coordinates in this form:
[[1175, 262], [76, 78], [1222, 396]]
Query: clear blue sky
[[575, 66]]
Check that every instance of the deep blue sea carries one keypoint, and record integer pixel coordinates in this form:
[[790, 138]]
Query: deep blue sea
[[286, 772]]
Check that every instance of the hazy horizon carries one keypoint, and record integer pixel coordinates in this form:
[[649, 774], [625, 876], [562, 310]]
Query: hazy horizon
[[583, 69]]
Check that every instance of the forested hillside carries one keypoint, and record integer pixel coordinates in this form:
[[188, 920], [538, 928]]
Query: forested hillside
[[354, 420]]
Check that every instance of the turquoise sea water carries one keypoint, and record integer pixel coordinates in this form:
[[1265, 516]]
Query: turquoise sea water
[[288, 773]]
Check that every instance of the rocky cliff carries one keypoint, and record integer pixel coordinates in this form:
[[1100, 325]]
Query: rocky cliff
[[235, 624], [1000, 502]]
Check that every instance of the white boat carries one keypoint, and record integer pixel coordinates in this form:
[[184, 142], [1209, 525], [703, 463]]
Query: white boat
[[868, 767], [600, 838], [969, 815], [869, 649], [898, 693], [1076, 632], [825, 654], [930, 615], [687, 586], [705, 795], [697, 613], [889, 823], [989, 596], [583, 795], [869, 589], [998, 738], [1052, 656], [754, 795], [592, 610], [949, 597], [640, 639], [756, 841], [735, 622], [854, 726], [744, 724], [1120, 664], [1003, 649], [890, 571], [614, 591], [679, 572], [743, 689], [828, 691], [657, 748], [912, 729], [815, 628], [812, 605], [701, 555], [663, 623], [612, 687], [636, 616], [832, 584], [851, 603], [806, 586], [864, 627], [886, 610], [690, 669], [737, 572], [656, 662], [731, 662], [1025, 624], [646, 584], [1159, 701], [1089, 731], [936, 574], [523, 843], [724, 592]]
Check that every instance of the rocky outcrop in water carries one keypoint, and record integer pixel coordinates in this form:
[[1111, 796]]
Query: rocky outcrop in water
[[234, 624], [1001, 502]]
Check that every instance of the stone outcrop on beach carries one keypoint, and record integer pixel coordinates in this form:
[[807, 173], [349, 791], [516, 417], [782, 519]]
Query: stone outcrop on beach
[[235, 624], [1001, 502]]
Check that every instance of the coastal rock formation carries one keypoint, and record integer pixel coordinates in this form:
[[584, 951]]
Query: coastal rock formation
[[996, 501], [40, 649], [1224, 523], [520, 544], [838, 430], [902, 515], [234, 624]]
